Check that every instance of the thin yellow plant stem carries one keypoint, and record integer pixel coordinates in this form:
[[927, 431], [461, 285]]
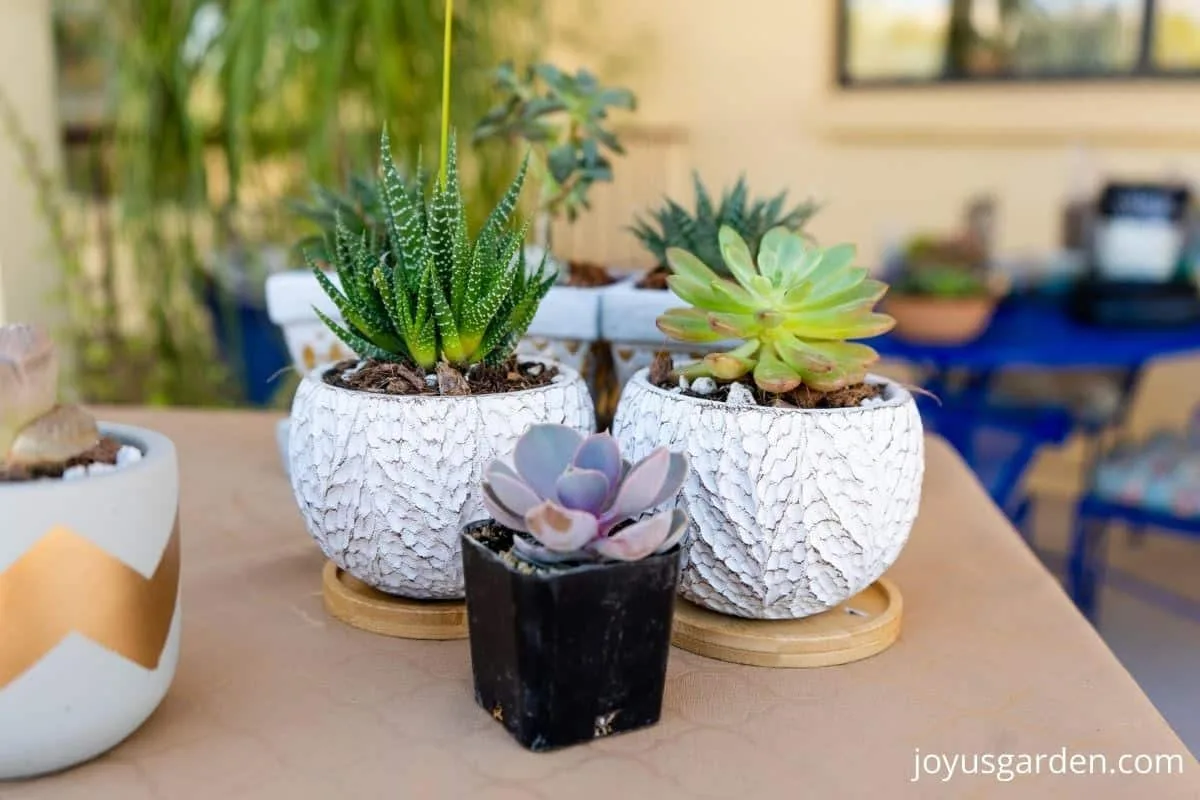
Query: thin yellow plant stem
[[446, 47]]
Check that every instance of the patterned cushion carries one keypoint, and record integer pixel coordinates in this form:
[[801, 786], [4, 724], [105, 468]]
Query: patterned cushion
[[1159, 474]]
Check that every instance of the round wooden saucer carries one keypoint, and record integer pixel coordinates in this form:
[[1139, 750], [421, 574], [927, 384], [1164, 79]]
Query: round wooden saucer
[[864, 625], [360, 606]]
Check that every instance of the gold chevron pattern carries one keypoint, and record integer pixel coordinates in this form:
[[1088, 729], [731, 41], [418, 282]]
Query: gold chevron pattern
[[66, 583]]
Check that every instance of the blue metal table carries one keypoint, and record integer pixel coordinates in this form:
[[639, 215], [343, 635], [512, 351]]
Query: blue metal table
[[999, 441], [1034, 331]]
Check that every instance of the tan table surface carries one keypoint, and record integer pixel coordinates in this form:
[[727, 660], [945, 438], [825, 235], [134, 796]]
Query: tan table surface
[[273, 699]]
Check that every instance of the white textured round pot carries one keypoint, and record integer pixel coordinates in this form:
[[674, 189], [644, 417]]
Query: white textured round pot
[[386, 483], [792, 511], [89, 607]]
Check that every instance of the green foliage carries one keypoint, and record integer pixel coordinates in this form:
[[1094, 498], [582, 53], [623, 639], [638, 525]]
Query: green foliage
[[942, 281], [424, 291], [564, 118], [218, 110], [360, 208], [696, 232], [793, 309]]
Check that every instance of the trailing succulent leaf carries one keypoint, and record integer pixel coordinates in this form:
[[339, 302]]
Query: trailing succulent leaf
[[572, 495], [33, 429], [417, 289], [564, 117], [793, 308], [696, 231]]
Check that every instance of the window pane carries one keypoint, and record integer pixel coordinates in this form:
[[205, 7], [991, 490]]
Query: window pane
[[1082, 37], [929, 39], [1177, 35], [896, 39]]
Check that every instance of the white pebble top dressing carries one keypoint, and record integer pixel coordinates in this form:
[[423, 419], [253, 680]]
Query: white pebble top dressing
[[125, 456]]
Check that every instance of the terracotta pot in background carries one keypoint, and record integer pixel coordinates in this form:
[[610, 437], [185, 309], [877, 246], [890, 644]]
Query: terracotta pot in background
[[940, 320]]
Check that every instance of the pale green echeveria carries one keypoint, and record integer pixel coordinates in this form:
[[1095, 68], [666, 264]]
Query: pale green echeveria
[[33, 429], [794, 311], [573, 495]]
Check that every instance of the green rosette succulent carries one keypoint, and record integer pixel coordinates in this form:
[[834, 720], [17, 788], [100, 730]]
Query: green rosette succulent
[[793, 310]]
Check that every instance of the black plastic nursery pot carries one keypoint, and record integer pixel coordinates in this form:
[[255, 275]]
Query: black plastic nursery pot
[[569, 656]]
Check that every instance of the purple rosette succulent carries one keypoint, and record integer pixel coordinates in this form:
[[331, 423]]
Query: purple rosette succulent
[[573, 496]]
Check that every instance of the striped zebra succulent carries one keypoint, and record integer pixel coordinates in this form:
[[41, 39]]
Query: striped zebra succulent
[[424, 292]]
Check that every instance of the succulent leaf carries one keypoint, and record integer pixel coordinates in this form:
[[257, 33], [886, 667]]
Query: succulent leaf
[[600, 452], [563, 530], [687, 325], [55, 437], [638, 540], [499, 511], [543, 453], [643, 483], [583, 490], [737, 257], [513, 494], [28, 379]]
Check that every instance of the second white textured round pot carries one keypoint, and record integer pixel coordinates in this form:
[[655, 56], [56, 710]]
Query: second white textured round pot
[[792, 511], [385, 482]]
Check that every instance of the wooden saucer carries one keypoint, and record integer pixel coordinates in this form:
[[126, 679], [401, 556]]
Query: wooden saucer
[[360, 606], [864, 625]]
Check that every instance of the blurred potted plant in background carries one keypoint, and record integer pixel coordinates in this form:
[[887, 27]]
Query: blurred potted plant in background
[[564, 117], [571, 586], [944, 289], [630, 314]]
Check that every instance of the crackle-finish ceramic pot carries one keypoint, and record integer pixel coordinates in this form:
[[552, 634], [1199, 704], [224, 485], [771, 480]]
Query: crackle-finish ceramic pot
[[792, 511], [89, 607], [386, 483]]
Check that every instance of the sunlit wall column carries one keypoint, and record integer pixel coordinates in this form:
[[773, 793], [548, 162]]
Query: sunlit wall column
[[28, 272]]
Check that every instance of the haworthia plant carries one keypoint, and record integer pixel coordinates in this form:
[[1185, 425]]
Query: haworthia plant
[[423, 290], [672, 225]]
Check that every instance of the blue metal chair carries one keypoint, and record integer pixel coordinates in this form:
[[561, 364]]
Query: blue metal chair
[[1151, 485]]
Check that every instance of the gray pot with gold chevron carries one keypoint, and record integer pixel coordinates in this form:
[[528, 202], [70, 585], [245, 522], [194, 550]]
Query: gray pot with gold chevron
[[90, 530]]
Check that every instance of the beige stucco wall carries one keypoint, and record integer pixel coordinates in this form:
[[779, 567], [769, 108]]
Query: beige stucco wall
[[751, 85], [27, 271]]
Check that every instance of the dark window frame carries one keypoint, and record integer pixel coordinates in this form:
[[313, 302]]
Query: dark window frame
[[1143, 70]]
